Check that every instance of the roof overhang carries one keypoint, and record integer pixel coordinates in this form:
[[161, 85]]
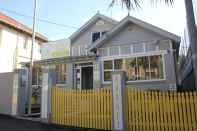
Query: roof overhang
[[69, 59]]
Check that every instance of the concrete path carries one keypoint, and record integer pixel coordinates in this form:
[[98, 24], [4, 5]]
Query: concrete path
[[8, 123]]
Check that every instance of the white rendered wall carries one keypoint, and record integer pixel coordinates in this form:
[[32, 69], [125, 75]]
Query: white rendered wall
[[12, 51]]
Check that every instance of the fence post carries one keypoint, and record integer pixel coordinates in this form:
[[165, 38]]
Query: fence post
[[118, 96], [47, 83]]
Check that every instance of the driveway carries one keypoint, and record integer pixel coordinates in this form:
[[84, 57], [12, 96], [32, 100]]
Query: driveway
[[8, 123]]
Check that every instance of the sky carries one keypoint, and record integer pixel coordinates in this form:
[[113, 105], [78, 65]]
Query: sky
[[72, 14]]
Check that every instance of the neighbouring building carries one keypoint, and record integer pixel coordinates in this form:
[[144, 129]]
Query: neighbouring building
[[146, 53], [15, 48]]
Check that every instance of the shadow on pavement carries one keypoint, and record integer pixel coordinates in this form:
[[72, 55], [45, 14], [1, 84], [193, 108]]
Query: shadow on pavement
[[8, 123]]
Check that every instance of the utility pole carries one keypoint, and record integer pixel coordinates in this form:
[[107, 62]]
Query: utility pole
[[31, 59], [192, 31]]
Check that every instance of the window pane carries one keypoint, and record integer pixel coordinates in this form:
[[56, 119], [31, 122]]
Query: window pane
[[138, 48], [125, 50], [129, 66], [118, 64], [61, 73], [143, 68], [108, 65], [156, 67], [107, 75], [151, 47], [104, 52], [95, 36], [113, 51]]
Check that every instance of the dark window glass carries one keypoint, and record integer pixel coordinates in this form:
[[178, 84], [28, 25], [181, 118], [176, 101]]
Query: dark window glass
[[107, 75], [95, 36], [118, 64], [104, 32], [108, 65]]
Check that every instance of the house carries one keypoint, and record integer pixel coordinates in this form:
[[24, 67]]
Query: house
[[15, 47], [146, 53]]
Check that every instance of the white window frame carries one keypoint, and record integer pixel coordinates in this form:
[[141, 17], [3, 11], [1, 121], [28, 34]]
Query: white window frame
[[162, 53]]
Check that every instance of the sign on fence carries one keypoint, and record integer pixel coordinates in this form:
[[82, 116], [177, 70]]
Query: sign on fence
[[118, 85]]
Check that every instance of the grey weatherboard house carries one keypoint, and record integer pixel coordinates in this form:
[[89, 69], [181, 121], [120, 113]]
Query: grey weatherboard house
[[146, 53]]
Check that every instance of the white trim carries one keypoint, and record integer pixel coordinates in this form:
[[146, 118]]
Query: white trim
[[79, 50], [61, 84], [151, 53], [131, 50], [164, 67], [136, 81]]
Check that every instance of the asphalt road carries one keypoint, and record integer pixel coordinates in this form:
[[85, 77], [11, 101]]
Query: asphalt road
[[8, 123]]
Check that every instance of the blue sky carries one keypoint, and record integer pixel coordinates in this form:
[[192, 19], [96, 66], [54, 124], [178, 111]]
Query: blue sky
[[76, 12]]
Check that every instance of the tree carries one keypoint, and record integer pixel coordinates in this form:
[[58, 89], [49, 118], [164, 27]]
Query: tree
[[131, 4]]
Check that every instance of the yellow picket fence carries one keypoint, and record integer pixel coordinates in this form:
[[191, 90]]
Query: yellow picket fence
[[145, 111], [85, 108], [169, 111]]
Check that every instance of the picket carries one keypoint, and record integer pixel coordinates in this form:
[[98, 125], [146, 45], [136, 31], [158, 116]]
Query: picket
[[145, 110]]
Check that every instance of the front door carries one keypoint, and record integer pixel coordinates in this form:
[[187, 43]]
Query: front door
[[87, 77]]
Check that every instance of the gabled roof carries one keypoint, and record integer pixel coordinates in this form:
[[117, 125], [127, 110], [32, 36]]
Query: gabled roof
[[141, 23], [19, 26], [90, 22]]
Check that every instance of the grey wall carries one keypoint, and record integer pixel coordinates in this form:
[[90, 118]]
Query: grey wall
[[132, 33], [6, 86], [85, 37]]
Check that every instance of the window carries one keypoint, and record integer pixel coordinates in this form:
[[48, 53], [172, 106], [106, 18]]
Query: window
[[142, 68], [125, 50], [118, 64], [137, 48], [113, 51], [156, 67], [136, 68], [104, 52], [151, 47], [61, 74], [97, 35], [25, 43], [130, 68], [108, 68]]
